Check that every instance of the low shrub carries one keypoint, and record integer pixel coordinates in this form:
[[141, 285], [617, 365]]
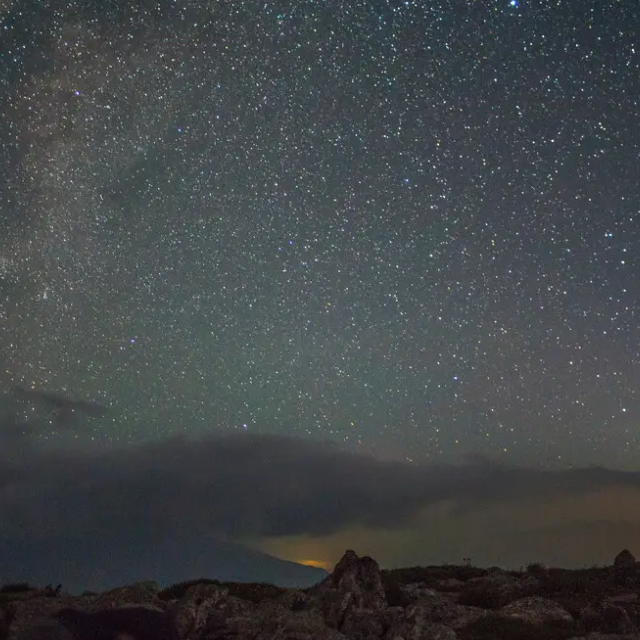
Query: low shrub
[[485, 596], [434, 574], [496, 627], [254, 591], [536, 568], [18, 587], [177, 591]]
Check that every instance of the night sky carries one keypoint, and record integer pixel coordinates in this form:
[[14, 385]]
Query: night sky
[[409, 228]]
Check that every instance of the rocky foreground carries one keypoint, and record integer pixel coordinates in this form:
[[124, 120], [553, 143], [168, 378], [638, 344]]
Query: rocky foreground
[[357, 601]]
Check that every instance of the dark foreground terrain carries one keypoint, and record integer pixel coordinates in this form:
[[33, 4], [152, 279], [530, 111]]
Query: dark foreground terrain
[[356, 601]]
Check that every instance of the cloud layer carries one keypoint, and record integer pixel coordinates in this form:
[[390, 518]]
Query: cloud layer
[[248, 485]]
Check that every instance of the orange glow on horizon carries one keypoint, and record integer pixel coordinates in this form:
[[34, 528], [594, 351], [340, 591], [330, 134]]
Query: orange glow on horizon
[[318, 564]]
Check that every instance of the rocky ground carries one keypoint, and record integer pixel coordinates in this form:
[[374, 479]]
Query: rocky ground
[[356, 601]]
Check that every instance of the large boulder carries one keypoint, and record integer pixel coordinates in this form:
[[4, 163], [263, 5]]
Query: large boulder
[[437, 610], [605, 617], [40, 607], [191, 613], [536, 610], [625, 560], [26, 617], [134, 607], [208, 612], [450, 584], [435, 617], [267, 621]]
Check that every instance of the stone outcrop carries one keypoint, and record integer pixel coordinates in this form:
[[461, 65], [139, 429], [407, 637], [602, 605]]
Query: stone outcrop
[[605, 617], [352, 598], [536, 610], [267, 621], [438, 610], [357, 601], [191, 613], [417, 591], [625, 560], [358, 577], [35, 613], [450, 584]]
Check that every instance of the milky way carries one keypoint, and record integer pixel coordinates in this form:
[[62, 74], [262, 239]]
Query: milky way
[[409, 227]]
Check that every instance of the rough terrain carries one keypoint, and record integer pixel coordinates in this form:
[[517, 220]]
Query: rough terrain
[[356, 601]]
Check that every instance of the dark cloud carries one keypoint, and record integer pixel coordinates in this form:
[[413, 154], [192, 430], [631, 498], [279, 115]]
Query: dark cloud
[[253, 485], [66, 412], [164, 507], [59, 401]]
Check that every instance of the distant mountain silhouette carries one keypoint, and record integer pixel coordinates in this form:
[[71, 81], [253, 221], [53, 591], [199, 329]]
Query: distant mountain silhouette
[[94, 564]]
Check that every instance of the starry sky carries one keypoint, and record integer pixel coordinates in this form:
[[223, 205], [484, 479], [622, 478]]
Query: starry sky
[[410, 228]]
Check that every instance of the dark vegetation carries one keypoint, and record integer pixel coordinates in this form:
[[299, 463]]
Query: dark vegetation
[[18, 587], [495, 627], [393, 592], [251, 591], [177, 591], [6, 617], [432, 575], [588, 595], [23, 590]]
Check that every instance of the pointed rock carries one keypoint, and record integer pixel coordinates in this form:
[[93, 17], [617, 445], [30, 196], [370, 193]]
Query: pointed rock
[[359, 577], [352, 597], [625, 560]]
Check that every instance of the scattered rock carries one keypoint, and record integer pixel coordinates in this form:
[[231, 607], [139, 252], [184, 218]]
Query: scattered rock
[[441, 611], [497, 589], [140, 593], [191, 613], [350, 604], [295, 600], [418, 591], [623, 598], [433, 617], [33, 613], [605, 617], [450, 584], [267, 621]]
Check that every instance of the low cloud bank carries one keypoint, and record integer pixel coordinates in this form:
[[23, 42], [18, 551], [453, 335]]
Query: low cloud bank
[[248, 485]]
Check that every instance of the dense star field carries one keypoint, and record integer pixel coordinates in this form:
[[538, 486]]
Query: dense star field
[[412, 228]]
